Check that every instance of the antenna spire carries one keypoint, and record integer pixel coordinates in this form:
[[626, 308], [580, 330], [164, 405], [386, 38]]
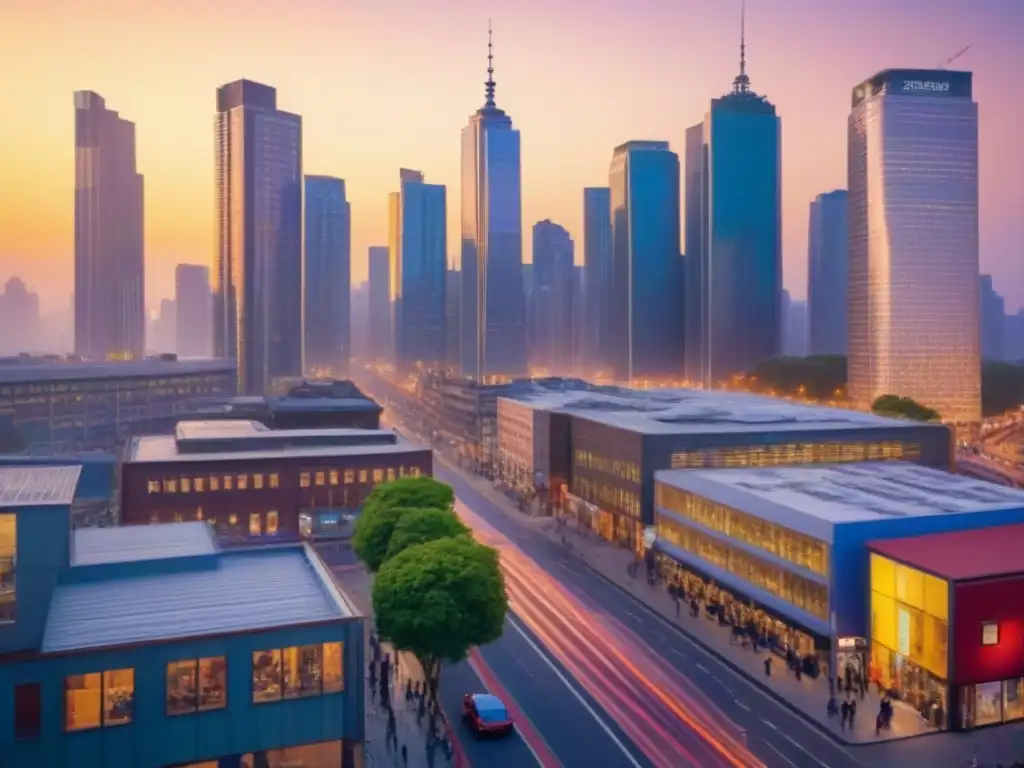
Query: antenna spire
[[490, 68], [742, 82]]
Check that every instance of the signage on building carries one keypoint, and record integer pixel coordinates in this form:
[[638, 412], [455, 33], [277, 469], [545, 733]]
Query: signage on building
[[930, 86]]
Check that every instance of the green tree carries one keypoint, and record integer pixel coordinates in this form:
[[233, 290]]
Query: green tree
[[437, 600], [903, 407], [419, 526]]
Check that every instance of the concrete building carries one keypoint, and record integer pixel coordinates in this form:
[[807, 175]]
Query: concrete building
[[380, 304], [328, 277], [827, 257], [194, 304]]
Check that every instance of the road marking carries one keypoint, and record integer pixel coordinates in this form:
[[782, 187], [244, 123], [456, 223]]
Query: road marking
[[741, 705], [775, 749], [634, 616], [579, 697], [770, 724], [801, 747], [678, 653], [702, 668]]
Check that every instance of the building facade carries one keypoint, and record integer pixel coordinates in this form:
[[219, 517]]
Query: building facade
[[110, 306], [418, 272], [827, 258], [380, 304], [695, 213], [597, 277], [913, 208], [551, 302], [493, 325], [257, 274], [328, 253], [647, 279], [993, 321], [194, 304]]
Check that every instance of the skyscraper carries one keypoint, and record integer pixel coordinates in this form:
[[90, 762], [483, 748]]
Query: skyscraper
[[380, 304], [493, 313], [19, 309], [328, 331], [597, 277], [827, 257], [453, 306], [552, 298], [913, 208], [257, 275], [733, 178], [418, 271], [695, 214], [110, 306], [194, 303], [993, 321], [647, 301]]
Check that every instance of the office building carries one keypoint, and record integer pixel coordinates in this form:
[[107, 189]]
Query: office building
[[380, 304], [827, 249], [695, 217], [150, 646], [419, 272], [257, 273], [913, 221], [647, 269], [734, 233], [551, 300], [194, 315], [493, 309], [328, 247], [315, 404], [359, 322], [19, 308], [993, 321], [110, 306], [597, 277], [453, 313], [794, 326], [162, 338]]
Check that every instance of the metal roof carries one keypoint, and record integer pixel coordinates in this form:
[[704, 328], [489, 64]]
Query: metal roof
[[250, 590], [34, 486], [978, 553], [133, 543], [46, 371]]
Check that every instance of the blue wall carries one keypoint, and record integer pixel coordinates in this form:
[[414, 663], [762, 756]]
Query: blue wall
[[153, 739]]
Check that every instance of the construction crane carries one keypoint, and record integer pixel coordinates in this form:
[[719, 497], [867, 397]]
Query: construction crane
[[955, 56]]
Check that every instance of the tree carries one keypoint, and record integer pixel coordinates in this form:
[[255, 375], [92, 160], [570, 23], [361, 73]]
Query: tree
[[439, 599], [903, 408], [419, 526]]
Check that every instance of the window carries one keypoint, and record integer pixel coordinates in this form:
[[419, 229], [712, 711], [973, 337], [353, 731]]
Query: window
[[228, 480], [257, 481], [320, 478], [391, 474], [363, 475], [96, 699], [196, 685], [232, 519], [301, 671], [266, 676], [304, 480], [378, 475], [214, 483], [181, 688], [8, 567], [334, 668], [213, 689], [990, 633], [118, 696], [243, 482], [254, 524], [272, 523], [170, 486], [350, 476], [273, 480], [27, 711], [333, 476], [197, 484], [153, 486], [186, 485]]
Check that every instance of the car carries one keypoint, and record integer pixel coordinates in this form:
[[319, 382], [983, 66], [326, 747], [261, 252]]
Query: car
[[486, 714]]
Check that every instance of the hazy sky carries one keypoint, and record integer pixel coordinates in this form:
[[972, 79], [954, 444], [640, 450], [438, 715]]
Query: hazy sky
[[384, 84]]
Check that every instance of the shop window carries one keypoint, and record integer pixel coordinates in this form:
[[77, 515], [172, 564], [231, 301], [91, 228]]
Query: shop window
[[302, 671], [8, 567], [186, 485], [1013, 699], [181, 688], [213, 689], [257, 481], [333, 477], [118, 696], [198, 484], [153, 486], [272, 523], [988, 703], [82, 700], [334, 667], [350, 476], [320, 478], [27, 711], [255, 527], [274, 480], [304, 480], [243, 482], [266, 676], [990, 633]]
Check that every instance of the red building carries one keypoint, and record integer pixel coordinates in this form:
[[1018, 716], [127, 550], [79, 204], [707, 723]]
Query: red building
[[966, 620], [250, 482]]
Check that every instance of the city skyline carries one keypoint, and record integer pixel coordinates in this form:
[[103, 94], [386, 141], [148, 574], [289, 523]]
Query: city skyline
[[558, 161]]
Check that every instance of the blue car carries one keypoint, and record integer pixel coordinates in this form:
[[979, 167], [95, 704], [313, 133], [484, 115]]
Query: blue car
[[486, 714]]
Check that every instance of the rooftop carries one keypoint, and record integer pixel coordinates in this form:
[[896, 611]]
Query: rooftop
[[974, 554], [31, 370], [232, 597], [814, 499], [35, 486], [135, 543]]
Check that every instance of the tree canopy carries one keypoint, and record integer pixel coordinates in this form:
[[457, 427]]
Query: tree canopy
[[419, 526], [439, 599], [816, 376], [903, 407]]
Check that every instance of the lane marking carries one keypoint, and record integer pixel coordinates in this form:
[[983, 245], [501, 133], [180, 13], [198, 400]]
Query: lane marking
[[770, 724], [702, 668], [634, 616], [741, 705], [678, 653], [803, 749], [572, 689], [775, 749]]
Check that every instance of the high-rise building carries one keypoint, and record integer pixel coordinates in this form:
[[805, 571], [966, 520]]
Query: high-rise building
[[19, 309], [993, 321], [418, 272], [380, 304], [162, 338], [328, 247], [647, 279], [913, 221], [453, 304], [734, 233], [827, 248], [597, 278], [794, 327], [359, 321], [110, 305], [552, 300], [493, 313], [194, 301], [257, 274]]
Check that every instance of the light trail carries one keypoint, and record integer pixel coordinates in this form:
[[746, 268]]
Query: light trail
[[661, 711]]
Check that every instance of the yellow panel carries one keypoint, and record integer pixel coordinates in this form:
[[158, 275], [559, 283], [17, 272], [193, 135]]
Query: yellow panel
[[883, 575], [883, 620], [935, 646], [936, 597], [910, 586]]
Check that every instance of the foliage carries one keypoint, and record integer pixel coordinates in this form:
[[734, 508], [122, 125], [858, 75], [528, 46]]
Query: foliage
[[1002, 387], [439, 599], [903, 407], [816, 376], [419, 526]]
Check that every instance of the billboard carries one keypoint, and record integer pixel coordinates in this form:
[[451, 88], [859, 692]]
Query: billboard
[[914, 82]]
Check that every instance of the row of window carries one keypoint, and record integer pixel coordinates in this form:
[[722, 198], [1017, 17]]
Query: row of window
[[794, 453], [265, 523], [607, 495], [259, 481], [8, 566], [624, 470]]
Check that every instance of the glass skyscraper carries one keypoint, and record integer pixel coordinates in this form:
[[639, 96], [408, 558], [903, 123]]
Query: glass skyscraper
[[597, 278], [552, 298], [328, 253], [193, 303], [913, 221], [827, 257], [647, 279], [493, 303], [418, 271], [257, 275], [379, 288]]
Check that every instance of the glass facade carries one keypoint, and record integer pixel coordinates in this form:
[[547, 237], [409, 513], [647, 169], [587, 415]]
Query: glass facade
[[196, 685], [607, 497], [99, 699], [597, 275], [328, 754], [8, 567], [786, 454], [1000, 701], [827, 248], [297, 672], [913, 258], [328, 254]]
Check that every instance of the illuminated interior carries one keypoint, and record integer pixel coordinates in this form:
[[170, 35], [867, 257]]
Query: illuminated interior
[[795, 453]]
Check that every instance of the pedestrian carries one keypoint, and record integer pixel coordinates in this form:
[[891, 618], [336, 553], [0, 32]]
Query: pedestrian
[[768, 667], [405, 754], [676, 598], [853, 711], [845, 713], [832, 708], [408, 689]]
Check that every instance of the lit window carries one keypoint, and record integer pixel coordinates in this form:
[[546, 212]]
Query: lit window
[[254, 524], [199, 513], [232, 519], [170, 486], [8, 567], [301, 666], [391, 474], [186, 485], [181, 687], [197, 485], [213, 690], [990, 633], [401, 471], [304, 480], [334, 667], [333, 476], [118, 696], [378, 476], [350, 476], [153, 486], [273, 480], [227, 482], [266, 676], [257, 481], [416, 472], [214, 483], [320, 478], [272, 523], [243, 482], [82, 694]]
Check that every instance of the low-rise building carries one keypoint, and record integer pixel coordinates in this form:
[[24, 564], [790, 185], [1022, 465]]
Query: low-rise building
[[147, 647], [313, 404]]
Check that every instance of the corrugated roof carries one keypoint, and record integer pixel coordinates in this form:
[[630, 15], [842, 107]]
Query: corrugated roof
[[46, 371], [250, 590], [975, 554], [132, 543], [34, 486]]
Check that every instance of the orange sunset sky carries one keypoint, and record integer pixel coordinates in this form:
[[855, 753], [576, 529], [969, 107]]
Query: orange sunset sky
[[384, 84]]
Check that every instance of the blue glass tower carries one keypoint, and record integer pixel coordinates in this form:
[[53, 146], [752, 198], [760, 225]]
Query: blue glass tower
[[551, 304], [734, 170], [647, 296], [328, 276], [597, 278], [827, 257]]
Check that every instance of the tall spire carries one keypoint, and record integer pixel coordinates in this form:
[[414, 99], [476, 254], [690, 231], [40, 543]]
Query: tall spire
[[489, 103], [742, 82]]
